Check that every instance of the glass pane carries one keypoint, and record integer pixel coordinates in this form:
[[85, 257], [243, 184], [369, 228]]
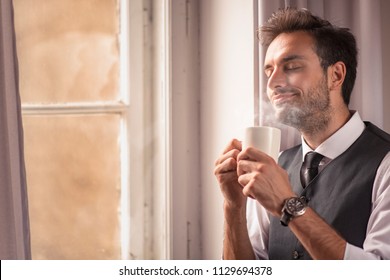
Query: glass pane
[[73, 176], [68, 51]]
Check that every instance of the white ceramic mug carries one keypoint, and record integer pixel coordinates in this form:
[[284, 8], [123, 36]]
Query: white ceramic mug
[[265, 138]]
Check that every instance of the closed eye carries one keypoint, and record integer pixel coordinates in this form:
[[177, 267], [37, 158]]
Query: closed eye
[[292, 67]]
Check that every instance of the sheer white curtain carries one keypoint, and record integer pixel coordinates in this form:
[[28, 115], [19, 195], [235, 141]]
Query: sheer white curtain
[[363, 17], [14, 223]]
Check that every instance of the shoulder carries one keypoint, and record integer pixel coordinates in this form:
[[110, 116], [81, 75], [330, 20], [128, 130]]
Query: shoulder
[[377, 132], [287, 156]]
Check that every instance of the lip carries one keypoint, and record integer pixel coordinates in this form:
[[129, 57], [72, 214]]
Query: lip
[[280, 98]]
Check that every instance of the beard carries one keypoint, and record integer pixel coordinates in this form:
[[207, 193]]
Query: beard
[[309, 112]]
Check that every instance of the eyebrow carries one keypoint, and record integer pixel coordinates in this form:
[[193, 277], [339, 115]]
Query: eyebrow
[[286, 59]]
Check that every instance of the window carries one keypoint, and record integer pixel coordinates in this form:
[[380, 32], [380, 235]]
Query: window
[[76, 116]]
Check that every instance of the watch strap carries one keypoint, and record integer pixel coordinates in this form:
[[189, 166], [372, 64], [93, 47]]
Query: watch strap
[[285, 218]]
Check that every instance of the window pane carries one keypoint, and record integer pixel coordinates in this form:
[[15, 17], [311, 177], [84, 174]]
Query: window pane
[[68, 50], [73, 176]]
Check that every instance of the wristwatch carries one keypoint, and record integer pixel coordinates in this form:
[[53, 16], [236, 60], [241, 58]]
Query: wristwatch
[[293, 207]]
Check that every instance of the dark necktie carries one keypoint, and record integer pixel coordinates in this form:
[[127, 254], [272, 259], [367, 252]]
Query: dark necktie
[[309, 167]]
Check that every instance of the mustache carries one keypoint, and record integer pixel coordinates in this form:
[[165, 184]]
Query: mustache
[[287, 89]]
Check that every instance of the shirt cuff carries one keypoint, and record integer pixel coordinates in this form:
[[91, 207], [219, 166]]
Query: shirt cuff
[[356, 253]]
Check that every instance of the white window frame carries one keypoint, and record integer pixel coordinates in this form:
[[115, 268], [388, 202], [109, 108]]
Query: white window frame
[[146, 152], [148, 234]]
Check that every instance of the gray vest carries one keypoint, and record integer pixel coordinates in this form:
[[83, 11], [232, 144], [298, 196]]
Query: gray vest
[[340, 194]]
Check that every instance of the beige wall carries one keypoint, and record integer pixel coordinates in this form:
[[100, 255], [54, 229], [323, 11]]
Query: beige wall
[[227, 79], [185, 130]]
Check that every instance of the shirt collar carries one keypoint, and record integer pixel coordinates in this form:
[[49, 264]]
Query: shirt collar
[[340, 141]]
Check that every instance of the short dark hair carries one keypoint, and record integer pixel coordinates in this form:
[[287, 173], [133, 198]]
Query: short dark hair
[[332, 43]]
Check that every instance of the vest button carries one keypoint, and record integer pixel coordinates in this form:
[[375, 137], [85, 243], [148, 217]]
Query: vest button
[[295, 255]]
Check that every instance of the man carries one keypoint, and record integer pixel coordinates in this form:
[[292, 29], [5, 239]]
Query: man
[[273, 211]]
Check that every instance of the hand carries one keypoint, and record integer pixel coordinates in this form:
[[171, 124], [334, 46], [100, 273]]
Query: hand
[[263, 179], [226, 173]]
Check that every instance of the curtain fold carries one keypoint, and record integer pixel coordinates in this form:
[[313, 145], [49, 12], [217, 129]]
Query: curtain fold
[[14, 221], [363, 17]]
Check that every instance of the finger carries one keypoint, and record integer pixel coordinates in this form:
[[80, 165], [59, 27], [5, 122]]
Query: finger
[[229, 165], [230, 154], [251, 153], [247, 166], [247, 191], [234, 144], [245, 181], [244, 166]]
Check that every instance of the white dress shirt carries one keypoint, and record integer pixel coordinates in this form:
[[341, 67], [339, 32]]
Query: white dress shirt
[[377, 242]]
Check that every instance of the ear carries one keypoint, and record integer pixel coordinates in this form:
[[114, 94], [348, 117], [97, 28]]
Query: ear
[[336, 75]]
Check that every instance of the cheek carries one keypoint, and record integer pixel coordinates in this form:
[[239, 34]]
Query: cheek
[[297, 80], [301, 82], [269, 93]]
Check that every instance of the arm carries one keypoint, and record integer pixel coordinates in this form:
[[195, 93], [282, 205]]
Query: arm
[[268, 183], [236, 244], [319, 239]]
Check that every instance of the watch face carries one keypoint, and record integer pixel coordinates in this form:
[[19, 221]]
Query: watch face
[[296, 206]]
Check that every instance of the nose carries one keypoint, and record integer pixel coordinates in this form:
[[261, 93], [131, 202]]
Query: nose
[[277, 79]]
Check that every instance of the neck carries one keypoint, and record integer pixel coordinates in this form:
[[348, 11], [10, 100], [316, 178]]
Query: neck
[[338, 120]]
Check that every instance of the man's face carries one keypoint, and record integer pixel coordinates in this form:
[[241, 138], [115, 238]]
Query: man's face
[[297, 85]]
